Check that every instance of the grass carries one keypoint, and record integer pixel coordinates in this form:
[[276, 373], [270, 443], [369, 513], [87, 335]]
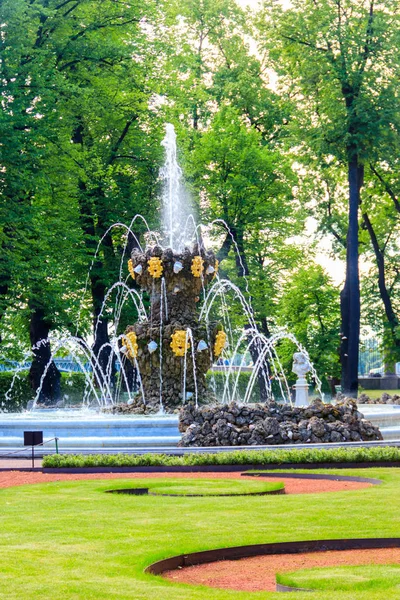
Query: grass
[[72, 541], [239, 457], [377, 394], [371, 578], [211, 487]]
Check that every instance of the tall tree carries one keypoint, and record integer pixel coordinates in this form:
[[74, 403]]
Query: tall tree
[[247, 187], [77, 91], [340, 58]]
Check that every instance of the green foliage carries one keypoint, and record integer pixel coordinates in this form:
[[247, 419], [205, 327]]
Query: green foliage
[[21, 392], [240, 457], [216, 383], [334, 54], [330, 57], [72, 390], [78, 157], [309, 307]]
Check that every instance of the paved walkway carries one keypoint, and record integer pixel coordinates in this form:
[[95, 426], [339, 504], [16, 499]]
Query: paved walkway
[[19, 463]]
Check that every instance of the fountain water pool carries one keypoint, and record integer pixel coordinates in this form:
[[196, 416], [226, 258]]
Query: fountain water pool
[[82, 431]]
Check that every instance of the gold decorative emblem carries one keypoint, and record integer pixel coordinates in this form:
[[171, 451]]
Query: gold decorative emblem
[[220, 341], [179, 343], [216, 267], [197, 266], [130, 343], [155, 267], [130, 268]]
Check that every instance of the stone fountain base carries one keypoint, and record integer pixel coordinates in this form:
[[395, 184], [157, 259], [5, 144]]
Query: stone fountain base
[[274, 424]]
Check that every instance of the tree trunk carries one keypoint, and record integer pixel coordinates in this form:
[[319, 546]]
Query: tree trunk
[[350, 295], [393, 321], [242, 266], [104, 371], [50, 392], [100, 325], [3, 294]]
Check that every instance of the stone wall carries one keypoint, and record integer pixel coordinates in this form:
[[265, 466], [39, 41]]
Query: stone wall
[[270, 424]]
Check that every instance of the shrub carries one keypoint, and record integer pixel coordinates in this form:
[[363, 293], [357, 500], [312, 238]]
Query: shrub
[[238, 457], [72, 390]]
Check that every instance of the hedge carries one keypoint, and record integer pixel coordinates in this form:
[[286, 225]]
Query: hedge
[[72, 390], [239, 457]]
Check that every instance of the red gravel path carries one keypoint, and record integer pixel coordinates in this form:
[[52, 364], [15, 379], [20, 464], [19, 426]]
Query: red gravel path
[[259, 573], [292, 486]]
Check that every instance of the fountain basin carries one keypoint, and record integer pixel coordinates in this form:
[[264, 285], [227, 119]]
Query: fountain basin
[[89, 431], [85, 430], [386, 417]]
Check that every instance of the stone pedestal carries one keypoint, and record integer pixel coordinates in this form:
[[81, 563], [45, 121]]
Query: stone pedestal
[[301, 389], [301, 366]]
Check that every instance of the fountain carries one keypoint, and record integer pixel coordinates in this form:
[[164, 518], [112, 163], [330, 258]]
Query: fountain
[[173, 350], [171, 347]]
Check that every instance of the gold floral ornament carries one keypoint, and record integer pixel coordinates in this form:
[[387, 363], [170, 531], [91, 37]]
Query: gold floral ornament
[[179, 344], [216, 267], [130, 343], [130, 268], [197, 266], [220, 341], [155, 267]]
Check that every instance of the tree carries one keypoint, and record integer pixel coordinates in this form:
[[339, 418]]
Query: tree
[[381, 223], [77, 91], [246, 186], [310, 308], [340, 58]]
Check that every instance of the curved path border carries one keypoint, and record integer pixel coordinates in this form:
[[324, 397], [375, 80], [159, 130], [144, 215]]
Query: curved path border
[[220, 468], [314, 476], [286, 588], [146, 492], [236, 552]]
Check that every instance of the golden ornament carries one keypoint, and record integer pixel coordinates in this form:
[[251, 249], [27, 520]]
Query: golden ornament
[[130, 342], [220, 341], [197, 266], [179, 343], [130, 268], [155, 267]]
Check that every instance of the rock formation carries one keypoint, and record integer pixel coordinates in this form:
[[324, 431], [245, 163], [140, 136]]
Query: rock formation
[[384, 399], [270, 424]]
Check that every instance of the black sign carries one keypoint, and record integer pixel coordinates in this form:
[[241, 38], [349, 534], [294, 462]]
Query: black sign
[[33, 438]]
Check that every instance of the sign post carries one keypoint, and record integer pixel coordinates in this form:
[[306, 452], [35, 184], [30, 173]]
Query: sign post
[[33, 438]]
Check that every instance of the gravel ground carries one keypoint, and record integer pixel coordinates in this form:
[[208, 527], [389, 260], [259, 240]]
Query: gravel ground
[[259, 573]]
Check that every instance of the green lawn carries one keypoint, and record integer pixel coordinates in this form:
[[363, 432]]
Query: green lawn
[[378, 393], [209, 487], [70, 540], [362, 577]]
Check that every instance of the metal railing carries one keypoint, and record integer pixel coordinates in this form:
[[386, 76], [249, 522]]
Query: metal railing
[[25, 448]]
